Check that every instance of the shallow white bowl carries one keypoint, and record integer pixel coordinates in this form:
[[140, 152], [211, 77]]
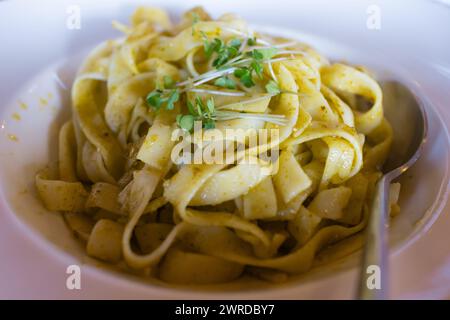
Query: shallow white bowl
[[36, 245]]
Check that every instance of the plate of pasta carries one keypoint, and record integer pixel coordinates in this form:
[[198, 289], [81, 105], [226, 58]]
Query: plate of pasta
[[206, 152]]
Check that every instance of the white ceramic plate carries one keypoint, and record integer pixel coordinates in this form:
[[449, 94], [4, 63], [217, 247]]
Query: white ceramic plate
[[40, 55]]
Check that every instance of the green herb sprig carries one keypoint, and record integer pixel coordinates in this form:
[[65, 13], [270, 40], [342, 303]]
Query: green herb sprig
[[158, 98], [229, 59], [225, 82], [164, 97], [258, 56], [198, 111], [208, 114], [224, 52]]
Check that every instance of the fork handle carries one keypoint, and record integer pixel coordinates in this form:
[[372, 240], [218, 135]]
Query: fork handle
[[374, 272]]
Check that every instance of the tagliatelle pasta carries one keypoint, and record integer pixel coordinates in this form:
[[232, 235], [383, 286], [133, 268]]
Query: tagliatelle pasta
[[199, 150]]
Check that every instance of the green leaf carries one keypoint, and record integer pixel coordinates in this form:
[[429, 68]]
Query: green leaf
[[154, 99], [174, 96], [272, 87], [232, 52], [257, 67], [245, 76], [200, 111], [210, 105], [178, 119], [268, 53], [247, 80], [191, 108], [169, 83], [224, 52], [221, 59], [251, 41], [218, 44], [211, 46], [200, 106], [256, 54], [208, 48], [236, 43], [225, 82], [186, 121], [241, 72], [263, 54]]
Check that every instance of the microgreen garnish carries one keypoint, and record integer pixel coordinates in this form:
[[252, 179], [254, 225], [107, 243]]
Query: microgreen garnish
[[154, 99], [272, 88], [208, 114], [251, 41], [245, 76], [198, 111], [226, 52], [235, 43], [263, 54], [211, 46], [256, 55], [228, 55], [173, 97], [186, 121], [157, 98], [210, 106], [225, 82], [257, 67], [233, 63]]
